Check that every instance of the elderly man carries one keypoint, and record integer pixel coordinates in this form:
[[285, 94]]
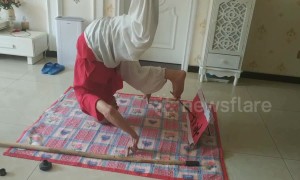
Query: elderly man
[[108, 53]]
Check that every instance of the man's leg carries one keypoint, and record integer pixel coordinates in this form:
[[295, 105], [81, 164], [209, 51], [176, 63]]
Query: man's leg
[[177, 77], [149, 79], [114, 117]]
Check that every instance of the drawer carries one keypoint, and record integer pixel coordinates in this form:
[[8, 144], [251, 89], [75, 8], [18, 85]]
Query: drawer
[[223, 61], [16, 46]]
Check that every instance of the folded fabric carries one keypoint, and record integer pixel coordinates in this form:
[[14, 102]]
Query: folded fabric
[[56, 68], [47, 67]]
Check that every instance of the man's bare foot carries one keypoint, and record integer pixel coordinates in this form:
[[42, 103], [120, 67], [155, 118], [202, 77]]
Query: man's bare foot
[[177, 78]]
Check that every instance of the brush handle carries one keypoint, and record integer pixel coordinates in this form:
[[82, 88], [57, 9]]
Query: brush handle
[[99, 156]]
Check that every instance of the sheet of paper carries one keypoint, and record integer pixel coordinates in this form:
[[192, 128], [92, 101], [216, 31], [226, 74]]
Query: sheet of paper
[[202, 116]]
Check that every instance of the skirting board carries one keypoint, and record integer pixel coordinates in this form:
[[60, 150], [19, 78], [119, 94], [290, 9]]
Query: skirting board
[[52, 54], [259, 76]]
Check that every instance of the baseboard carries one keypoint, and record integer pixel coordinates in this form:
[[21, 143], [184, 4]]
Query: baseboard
[[193, 69], [271, 77], [51, 54], [259, 76]]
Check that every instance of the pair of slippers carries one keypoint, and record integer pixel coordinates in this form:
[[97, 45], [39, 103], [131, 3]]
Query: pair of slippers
[[52, 68]]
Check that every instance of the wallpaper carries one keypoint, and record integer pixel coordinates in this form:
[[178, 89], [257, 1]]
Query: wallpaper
[[274, 40]]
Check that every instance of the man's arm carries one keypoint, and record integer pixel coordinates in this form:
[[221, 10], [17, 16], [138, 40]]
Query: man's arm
[[114, 117]]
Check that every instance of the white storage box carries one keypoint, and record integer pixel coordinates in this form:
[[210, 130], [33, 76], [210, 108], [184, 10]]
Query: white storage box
[[68, 31]]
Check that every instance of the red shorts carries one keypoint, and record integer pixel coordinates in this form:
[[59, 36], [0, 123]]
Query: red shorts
[[93, 81]]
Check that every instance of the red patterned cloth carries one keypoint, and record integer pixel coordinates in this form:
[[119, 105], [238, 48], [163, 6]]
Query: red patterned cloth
[[161, 125]]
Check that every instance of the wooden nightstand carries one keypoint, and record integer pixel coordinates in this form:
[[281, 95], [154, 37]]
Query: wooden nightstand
[[31, 44]]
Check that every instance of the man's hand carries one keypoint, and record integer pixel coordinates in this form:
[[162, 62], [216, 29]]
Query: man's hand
[[134, 147]]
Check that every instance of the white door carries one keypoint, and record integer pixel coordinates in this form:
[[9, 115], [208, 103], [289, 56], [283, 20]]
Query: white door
[[171, 41]]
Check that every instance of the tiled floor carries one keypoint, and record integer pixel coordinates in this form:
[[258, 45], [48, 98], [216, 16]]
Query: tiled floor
[[257, 145]]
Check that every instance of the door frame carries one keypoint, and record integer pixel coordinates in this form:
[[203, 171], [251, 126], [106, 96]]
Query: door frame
[[119, 5]]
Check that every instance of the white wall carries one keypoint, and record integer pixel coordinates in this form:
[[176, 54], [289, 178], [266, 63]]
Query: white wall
[[81, 9], [86, 9], [35, 13], [41, 14]]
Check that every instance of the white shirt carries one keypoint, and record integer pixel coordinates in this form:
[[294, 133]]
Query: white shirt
[[126, 37]]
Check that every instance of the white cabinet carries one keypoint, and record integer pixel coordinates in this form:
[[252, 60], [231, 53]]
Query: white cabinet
[[31, 44], [226, 38]]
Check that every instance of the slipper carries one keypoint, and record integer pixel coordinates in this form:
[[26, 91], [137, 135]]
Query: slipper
[[56, 68], [47, 67]]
